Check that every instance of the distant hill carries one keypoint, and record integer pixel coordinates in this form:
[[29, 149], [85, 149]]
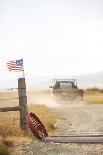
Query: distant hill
[[84, 81], [43, 82], [90, 80]]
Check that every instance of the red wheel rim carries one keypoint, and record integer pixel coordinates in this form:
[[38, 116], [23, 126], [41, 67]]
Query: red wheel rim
[[36, 126]]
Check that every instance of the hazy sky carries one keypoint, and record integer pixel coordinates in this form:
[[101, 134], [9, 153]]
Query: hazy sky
[[54, 37]]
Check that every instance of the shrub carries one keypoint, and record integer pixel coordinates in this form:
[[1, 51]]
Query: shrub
[[51, 126], [93, 89]]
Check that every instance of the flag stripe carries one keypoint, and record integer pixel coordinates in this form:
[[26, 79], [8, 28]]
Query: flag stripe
[[15, 68]]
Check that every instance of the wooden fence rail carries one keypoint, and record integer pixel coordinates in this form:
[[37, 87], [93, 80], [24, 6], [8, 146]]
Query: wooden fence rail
[[5, 109], [22, 108]]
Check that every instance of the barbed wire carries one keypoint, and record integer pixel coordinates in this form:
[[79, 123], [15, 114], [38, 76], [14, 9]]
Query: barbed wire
[[10, 89]]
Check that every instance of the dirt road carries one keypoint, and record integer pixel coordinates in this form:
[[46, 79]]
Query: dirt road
[[80, 119], [75, 119]]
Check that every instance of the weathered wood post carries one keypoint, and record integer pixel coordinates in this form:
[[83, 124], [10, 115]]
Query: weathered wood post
[[22, 103]]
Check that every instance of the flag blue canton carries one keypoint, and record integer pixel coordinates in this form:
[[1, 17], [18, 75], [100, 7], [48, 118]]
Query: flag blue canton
[[19, 62]]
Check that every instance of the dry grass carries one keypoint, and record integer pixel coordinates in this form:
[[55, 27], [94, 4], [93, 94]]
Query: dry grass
[[93, 97], [11, 143], [45, 114], [10, 132]]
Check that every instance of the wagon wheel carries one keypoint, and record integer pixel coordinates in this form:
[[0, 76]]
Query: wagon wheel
[[36, 126]]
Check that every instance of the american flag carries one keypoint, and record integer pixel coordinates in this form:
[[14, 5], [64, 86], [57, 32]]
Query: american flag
[[16, 65]]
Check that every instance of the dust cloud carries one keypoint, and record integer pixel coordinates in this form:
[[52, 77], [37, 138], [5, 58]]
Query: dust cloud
[[42, 99], [45, 98]]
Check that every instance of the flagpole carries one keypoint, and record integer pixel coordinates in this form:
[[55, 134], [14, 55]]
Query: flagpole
[[23, 74], [23, 70]]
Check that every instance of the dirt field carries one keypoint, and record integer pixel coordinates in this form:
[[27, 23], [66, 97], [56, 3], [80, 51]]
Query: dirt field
[[11, 136], [73, 119]]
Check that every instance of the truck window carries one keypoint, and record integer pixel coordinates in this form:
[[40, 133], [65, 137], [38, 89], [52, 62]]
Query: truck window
[[65, 85]]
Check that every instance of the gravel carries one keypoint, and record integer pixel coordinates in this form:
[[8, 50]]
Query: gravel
[[76, 119]]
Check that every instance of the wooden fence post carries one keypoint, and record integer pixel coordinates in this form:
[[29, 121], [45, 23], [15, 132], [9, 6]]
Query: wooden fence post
[[22, 103]]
